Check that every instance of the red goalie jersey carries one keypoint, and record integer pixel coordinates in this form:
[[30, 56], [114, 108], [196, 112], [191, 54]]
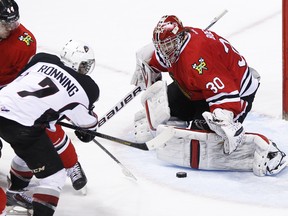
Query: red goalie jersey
[[210, 69], [16, 50]]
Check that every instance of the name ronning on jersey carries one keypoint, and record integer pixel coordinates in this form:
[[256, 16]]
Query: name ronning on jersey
[[59, 76]]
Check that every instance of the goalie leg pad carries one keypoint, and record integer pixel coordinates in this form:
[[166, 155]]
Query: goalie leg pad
[[184, 148], [155, 101], [176, 122], [142, 132], [204, 150], [177, 151]]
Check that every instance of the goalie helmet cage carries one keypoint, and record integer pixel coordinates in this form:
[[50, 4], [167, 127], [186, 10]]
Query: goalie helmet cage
[[285, 59]]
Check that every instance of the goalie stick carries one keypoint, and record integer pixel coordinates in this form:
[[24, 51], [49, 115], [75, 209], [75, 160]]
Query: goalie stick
[[156, 142], [216, 19]]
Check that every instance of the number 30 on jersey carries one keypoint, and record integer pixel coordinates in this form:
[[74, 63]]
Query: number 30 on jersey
[[215, 85]]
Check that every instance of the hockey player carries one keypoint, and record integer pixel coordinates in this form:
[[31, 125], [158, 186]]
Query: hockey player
[[18, 45], [213, 87], [47, 90]]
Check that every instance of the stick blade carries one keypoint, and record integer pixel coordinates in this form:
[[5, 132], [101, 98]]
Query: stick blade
[[161, 138]]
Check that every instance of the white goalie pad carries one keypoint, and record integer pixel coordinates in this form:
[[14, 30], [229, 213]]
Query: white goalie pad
[[181, 150], [204, 150], [155, 101], [252, 155], [142, 132], [176, 122]]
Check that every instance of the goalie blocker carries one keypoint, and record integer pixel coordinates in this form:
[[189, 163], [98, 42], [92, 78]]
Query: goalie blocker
[[204, 150]]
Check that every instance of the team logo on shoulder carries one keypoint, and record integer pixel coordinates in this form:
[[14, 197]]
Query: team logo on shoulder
[[26, 38], [201, 66]]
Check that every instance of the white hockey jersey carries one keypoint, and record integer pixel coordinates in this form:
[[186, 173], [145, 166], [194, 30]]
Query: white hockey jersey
[[45, 91]]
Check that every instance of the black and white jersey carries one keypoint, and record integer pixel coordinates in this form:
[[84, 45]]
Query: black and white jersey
[[45, 91]]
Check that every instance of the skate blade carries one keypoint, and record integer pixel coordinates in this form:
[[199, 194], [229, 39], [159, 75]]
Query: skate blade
[[18, 210], [84, 190]]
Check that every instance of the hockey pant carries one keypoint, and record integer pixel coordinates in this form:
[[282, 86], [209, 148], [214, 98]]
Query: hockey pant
[[35, 152], [64, 148]]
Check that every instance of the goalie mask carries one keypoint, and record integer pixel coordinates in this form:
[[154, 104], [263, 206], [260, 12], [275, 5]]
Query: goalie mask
[[78, 56], [9, 17], [168, 37]]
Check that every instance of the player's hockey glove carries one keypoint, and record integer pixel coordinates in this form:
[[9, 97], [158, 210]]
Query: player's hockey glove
[[84, 136]]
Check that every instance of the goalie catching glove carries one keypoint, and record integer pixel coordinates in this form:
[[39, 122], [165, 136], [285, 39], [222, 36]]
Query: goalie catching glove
[[221, 122]]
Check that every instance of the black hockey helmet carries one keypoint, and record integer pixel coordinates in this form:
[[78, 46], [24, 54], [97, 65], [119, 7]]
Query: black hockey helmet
[[9, 11]]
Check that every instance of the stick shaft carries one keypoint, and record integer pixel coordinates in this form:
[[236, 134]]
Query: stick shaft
[[142, 146], [125, 171], [121, 104], [216, 19]]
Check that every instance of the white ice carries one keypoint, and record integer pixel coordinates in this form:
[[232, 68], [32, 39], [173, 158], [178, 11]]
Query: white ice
[[116, 29]]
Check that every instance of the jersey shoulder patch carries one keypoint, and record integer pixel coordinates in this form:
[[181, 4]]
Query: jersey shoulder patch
[[25, 39]]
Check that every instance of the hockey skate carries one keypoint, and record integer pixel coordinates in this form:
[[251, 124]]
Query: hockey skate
[[78, 177], [277, 161], [19, 203]]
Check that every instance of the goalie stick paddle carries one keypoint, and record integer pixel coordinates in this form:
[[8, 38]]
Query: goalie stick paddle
[[156, 142]]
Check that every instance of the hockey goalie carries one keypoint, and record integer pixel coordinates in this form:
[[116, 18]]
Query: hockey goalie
[[202, 149], [205, 149], [215, 138]]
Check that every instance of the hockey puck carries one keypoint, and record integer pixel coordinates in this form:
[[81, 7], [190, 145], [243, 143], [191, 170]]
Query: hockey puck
[[181, 174]]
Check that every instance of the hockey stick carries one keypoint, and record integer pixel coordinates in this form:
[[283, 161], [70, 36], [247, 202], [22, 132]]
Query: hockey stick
[[156, 142], [216, 19], [117, 107], [125, 171], [114, 110]]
